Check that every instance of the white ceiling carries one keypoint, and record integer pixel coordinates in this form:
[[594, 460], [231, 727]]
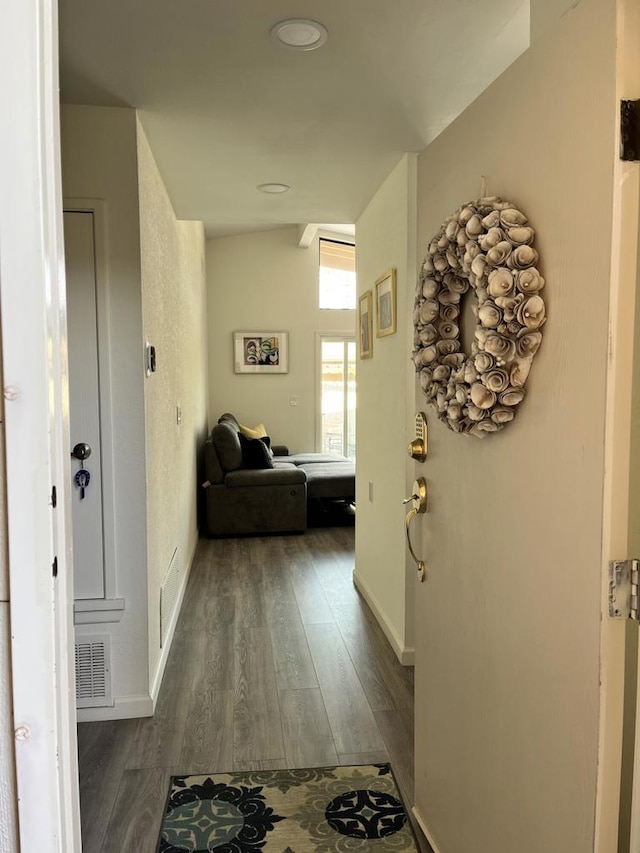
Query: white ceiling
[[226, 109]]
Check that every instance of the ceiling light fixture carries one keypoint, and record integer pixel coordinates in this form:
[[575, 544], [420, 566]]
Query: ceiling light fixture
[[299, 34], [274, 189]]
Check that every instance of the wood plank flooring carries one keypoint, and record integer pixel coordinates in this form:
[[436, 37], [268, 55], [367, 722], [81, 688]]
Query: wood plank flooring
[[276, 662]]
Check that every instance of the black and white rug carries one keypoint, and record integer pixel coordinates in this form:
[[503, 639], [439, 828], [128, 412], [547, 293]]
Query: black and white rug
[[315, 810]]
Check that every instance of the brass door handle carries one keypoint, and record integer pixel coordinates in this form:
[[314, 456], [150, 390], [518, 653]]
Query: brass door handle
[[419, 496], [419, 501]]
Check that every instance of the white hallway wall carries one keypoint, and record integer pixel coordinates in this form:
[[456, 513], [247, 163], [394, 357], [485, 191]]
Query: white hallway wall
[[508, 623], [174, 320], [385, 234], [264, 281]]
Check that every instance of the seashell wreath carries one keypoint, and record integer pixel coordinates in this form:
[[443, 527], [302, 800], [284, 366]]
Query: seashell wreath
[[486, 245]]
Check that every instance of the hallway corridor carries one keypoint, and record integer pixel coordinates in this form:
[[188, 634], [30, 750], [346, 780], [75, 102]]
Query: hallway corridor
[[276, 662]]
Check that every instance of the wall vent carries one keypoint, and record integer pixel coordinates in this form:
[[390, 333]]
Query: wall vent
[[93, 671], [169, 596]]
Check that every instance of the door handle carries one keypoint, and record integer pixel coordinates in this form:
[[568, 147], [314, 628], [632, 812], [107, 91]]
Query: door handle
[[81, 451], [419, 501], [419, 496]]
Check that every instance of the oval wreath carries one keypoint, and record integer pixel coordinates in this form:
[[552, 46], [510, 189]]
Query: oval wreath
[[486, 245]]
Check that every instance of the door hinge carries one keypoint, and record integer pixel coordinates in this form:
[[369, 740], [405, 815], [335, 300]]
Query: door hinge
[[54, 567], [630, 130], [623, 589], [54, 497]]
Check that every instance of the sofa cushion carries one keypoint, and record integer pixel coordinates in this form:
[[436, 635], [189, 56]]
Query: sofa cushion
[[255, 451], [227, 443], [229, 418], [212, 468], [314, 458], [335, 480]]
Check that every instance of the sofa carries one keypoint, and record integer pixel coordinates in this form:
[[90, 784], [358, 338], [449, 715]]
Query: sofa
[[253, 487]]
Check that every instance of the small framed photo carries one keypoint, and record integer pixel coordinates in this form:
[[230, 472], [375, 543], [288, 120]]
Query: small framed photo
[[261, 352], [365, 325], [386, 323]]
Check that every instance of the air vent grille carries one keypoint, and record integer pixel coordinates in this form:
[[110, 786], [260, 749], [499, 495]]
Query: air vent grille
[[168, 596], [93, 671]]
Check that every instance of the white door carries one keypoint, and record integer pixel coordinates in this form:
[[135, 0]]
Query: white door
[[84, 402]]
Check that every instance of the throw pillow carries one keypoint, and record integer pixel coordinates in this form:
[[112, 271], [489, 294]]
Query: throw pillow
[[258, 431], [255, 452]]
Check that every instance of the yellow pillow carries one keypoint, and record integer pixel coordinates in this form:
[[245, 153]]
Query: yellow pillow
[[258, 431]]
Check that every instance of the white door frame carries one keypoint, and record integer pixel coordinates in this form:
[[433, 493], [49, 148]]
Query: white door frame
[[33, 309], [624, 325]]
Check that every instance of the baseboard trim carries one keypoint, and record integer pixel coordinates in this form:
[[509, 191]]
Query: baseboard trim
[[125, 708], [162, 661], [423, 826], [405, 654]]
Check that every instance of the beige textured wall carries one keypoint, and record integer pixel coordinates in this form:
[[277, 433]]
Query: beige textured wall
[[385, 235], [174, 321], [99, 161], [545, 14], [263, 281], [507, 625]]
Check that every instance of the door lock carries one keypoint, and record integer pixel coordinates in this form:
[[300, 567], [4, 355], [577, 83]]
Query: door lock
[[418, 446]]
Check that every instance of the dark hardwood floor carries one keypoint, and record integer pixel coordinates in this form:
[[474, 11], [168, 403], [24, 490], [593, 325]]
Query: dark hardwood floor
[[276, 662]]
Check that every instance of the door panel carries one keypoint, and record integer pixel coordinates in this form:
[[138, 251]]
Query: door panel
[[84, 402]]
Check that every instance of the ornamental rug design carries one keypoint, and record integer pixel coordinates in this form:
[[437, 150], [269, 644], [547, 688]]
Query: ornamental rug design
[[314, 810]]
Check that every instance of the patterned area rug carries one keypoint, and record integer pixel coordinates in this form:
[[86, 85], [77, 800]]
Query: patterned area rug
[[316, 810]]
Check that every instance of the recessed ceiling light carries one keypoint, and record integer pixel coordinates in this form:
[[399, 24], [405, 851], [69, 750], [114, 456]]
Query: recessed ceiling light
[[299, 34], [274, 189]]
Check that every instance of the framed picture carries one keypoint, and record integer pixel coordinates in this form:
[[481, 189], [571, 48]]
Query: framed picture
[[386, 323], [261, 352], [365, 325]]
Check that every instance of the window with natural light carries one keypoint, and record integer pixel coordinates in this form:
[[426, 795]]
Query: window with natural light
[[338, 396], [337, 275]]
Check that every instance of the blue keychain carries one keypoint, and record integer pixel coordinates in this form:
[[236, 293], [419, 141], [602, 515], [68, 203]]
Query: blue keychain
[[82, 481]]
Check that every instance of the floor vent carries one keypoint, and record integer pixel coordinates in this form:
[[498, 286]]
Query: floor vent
[[169, 596], [93, 671]]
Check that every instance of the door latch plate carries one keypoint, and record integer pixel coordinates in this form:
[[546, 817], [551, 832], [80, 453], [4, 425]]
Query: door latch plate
[[623, 589]]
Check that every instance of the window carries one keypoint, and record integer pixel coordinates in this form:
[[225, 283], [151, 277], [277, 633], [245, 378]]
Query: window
[[337, 275], [337, 421]]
